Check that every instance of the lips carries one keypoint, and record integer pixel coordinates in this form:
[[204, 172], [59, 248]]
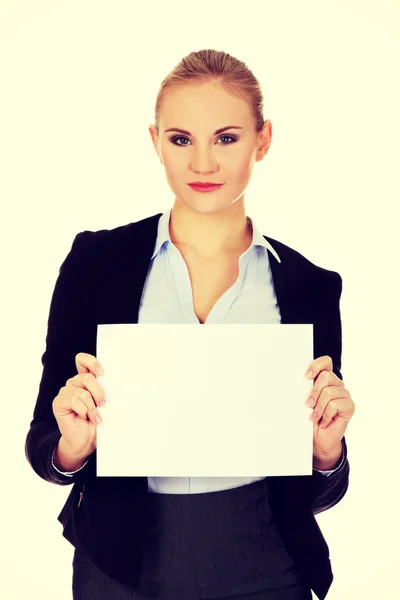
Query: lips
[[205, 187]]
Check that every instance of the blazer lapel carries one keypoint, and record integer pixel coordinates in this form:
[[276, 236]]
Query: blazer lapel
[[290, 288], [125, 271]]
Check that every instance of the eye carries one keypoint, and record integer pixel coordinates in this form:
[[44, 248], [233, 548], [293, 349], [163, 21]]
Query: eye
[[229, 137], [175, 138]]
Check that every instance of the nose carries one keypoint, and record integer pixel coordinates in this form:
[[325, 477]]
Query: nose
[[203, 161]]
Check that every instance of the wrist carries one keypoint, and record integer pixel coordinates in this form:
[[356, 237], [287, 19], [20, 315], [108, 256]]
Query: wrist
[[67, 459], [328, 460]]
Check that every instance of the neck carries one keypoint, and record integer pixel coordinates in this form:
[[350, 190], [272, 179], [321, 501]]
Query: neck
[[211, 235]]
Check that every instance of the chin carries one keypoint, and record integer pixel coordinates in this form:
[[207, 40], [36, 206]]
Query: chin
[[205, 204], [204, 207]]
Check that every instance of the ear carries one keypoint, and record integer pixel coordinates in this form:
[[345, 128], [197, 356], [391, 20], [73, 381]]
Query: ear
[[154, 137], [264, 140]]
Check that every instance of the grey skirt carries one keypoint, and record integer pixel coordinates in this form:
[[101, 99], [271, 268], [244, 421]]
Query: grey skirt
[[215, 545]]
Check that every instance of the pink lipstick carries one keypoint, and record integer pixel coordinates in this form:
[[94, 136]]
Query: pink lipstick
[[200, 186]]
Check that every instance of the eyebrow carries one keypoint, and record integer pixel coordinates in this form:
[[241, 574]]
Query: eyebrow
[[215, 133]]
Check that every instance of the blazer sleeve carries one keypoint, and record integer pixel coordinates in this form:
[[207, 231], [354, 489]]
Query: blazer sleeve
[[69, 305], [328, 491]]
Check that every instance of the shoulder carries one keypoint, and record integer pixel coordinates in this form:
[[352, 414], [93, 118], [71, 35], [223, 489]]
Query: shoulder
[[296, 265], [95, 245]]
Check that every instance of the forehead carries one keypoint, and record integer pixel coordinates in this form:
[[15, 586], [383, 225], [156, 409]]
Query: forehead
[[196, 103]]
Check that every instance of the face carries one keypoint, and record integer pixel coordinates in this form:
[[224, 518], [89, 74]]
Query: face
[[202, 154]]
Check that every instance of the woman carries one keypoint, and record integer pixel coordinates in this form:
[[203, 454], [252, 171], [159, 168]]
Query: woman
[[242, 538]]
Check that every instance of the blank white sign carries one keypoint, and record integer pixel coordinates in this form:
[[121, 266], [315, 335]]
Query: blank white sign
[[223, 400]]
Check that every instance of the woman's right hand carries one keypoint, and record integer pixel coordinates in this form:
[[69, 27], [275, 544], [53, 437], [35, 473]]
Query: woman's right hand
[[75, 406]]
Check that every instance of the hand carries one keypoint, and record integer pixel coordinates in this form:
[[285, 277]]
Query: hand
[[75, 406], [333, 407]]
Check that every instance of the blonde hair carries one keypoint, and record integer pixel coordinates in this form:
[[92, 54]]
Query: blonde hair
[[212, 65]]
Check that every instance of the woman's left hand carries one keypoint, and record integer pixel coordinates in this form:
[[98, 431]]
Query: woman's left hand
[[333, 406]]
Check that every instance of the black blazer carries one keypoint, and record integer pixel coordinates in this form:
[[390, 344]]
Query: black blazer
[[101, 281]]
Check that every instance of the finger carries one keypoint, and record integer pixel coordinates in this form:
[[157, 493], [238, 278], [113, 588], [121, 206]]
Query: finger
[[344, 409], [89, 382], [338, 408], [336, 397], [78, 407], [325, 379], [71, 399], [87, 363], [82, 403], [329, 413], [78, 400], [322, 363]]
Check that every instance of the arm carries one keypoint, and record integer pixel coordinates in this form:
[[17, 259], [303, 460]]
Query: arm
[[65, 338], [326, 491]]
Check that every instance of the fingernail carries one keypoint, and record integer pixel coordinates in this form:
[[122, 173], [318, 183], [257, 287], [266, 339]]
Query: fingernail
[[102, 402], [97, 419], [99, 371], [310, 401], [309, 374]]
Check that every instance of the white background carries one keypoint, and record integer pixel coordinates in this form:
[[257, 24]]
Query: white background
[[78, 85]]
